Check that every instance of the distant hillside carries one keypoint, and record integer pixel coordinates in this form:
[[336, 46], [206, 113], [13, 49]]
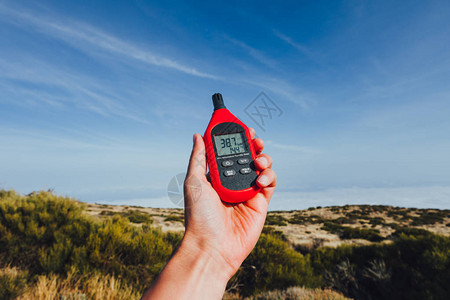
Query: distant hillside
[[314, 227]]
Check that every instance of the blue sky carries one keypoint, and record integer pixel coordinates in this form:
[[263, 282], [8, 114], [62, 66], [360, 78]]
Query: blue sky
[[99, 99]]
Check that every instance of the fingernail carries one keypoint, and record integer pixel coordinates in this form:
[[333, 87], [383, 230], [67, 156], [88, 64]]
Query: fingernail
[[263, 180], [262, 160]]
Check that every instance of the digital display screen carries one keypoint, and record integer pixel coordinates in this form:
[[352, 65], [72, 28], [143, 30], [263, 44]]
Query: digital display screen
[[228, 144]]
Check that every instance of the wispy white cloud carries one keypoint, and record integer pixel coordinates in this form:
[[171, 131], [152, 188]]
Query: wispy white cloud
[[312, 55], [30, 97], [283, 89], [256, 54], [87, 38], [303, 49], [94, 41], [22, 139], [81, 91]]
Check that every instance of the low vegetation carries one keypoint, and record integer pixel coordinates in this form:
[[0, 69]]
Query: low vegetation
[[71, 286], [49, 235], [302, 220], [51, 248], [174, 218], [345, 232], [299, 293], [134, 216], [415, 266], [276, 220]]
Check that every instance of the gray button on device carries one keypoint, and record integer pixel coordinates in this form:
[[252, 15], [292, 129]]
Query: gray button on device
[[229, 173], [245, 170], [243, 161], [227, 163]]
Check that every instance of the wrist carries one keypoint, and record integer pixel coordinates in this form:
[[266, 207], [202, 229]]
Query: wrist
[[192, 273], [208, 256]]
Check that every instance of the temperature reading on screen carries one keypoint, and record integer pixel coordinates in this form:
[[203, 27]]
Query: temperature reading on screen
[[227, 144]]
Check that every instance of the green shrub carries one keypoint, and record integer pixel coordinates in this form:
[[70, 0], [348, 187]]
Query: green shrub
[[427, 218], [293, 293], [394, 226], [415, 266], [108, 213], [376, 221], [379, 208], [358, 214], [136, 216], [174, 238], [336, 209], [273, 264], [345, 220], [12, 282], [45, 234], [345, 232], [409, 231], [174, 218], [276, 220], [303, 220], [270, 230], [399, 214]]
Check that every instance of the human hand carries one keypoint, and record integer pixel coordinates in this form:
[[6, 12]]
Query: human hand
[[226, 232], [218, 235]]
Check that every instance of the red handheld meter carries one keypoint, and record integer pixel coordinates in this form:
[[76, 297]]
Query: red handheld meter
[[230, 154]]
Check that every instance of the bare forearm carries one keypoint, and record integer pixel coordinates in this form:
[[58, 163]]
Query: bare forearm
[[190, 274]]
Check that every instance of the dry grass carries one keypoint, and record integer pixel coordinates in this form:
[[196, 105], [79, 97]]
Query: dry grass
[[95, 287]]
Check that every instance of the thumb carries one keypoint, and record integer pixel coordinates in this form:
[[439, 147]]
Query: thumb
[[197, 162], [195, 173]]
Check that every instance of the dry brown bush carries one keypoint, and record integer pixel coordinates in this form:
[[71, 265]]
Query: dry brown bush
[[95, 287]]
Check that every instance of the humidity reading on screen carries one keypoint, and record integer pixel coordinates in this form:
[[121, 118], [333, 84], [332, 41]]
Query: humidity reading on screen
[[228, 144]]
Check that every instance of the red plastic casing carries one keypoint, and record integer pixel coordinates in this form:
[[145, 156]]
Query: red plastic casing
[[231, 196]]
